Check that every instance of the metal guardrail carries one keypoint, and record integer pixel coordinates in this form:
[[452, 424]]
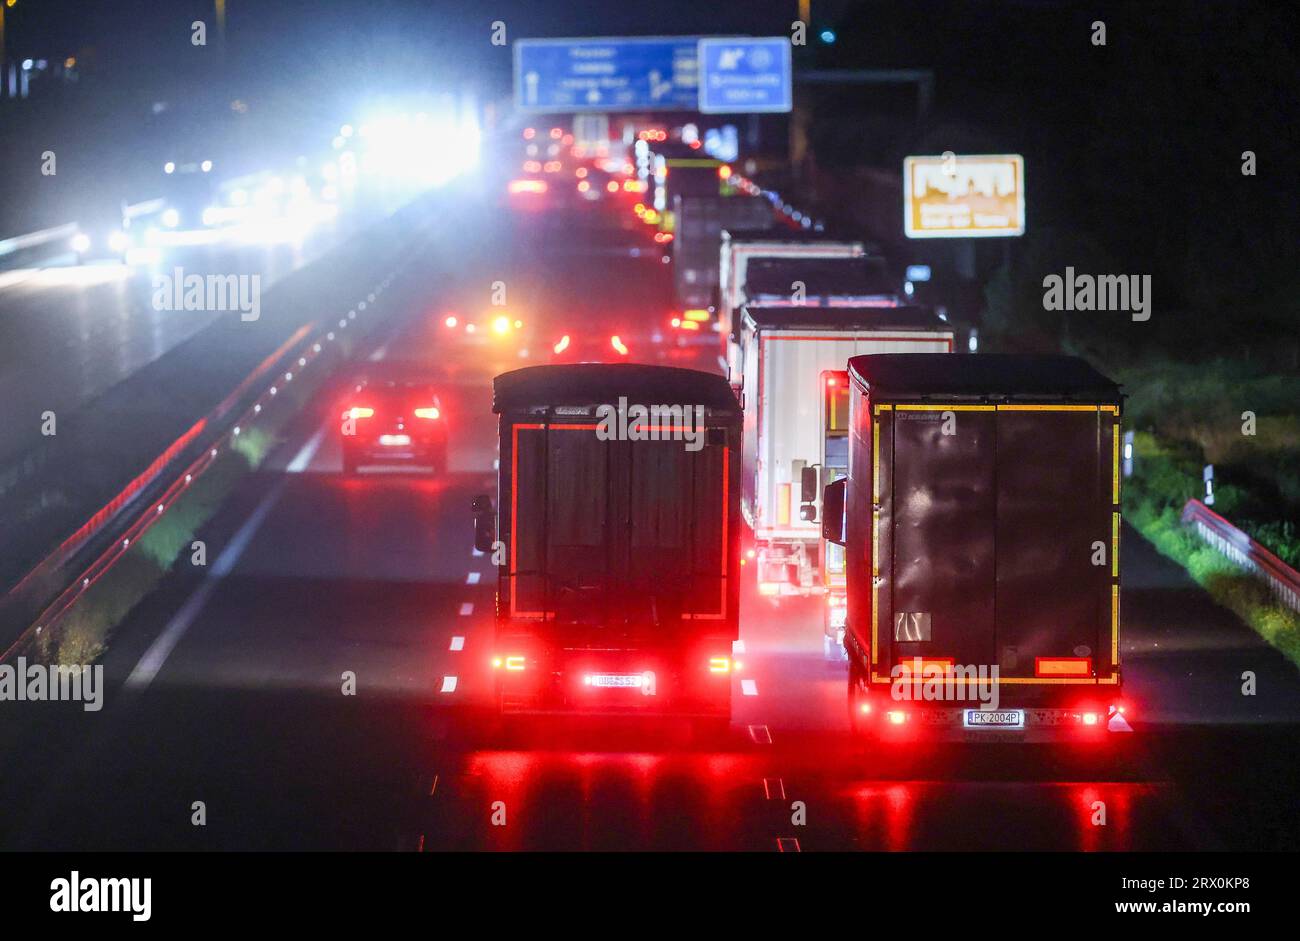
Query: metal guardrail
[[1230, 541], [54, 233], [31, 239]]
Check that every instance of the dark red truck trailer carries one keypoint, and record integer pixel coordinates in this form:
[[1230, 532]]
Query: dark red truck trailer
[[616, 537], [981, 520]]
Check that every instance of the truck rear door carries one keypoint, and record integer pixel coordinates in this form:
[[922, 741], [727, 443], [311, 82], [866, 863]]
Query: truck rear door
[[623, 536], [943, 510], [994, 531]]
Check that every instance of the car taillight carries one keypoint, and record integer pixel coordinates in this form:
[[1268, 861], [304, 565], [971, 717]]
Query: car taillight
[[515, 663], [451, 320], [562, 345], [619, 346], [361, 411], [527, 186], [1090, 718], [431, 412], [896, 717], [719, 664]]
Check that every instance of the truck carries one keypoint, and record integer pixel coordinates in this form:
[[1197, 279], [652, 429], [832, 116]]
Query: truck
[[618, 516], [980, 520], [739, 245], [698, 223], [795, 395]]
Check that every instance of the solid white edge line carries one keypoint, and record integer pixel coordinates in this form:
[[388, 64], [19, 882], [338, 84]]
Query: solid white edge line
[[153, 659]]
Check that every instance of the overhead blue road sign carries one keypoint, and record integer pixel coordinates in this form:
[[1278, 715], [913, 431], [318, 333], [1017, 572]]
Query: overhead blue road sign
[[744, 75], [651, 74]]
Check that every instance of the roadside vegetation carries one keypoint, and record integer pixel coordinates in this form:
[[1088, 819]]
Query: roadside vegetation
[[84, 632]]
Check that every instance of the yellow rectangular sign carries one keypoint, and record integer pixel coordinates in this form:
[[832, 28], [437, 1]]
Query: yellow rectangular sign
[[951, 196]]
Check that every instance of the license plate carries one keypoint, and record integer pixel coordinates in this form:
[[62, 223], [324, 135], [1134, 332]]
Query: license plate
[[394, 441], [617, 679], [995, 719]]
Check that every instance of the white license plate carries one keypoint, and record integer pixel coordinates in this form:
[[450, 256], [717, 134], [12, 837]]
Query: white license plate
[[617, 679], [995, 719], [395, 441]]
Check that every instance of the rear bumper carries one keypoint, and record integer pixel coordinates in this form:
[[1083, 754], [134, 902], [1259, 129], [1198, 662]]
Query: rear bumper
[[910, 721], [573, 682], [416, 453]]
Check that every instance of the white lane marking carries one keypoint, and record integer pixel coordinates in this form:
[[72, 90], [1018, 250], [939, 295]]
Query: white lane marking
[[449, 684], [151, 662], [458, 643], [466, 609], [749, 687], [302, 460], [760, 735], [472, 578]]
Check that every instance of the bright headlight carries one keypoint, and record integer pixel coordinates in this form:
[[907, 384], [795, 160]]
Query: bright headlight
[[81, 242], [171, 218]]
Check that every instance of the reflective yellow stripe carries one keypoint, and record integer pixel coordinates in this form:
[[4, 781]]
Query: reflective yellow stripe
[[945, 408], [1114, 544], [1114, 468], [1114, 625], [1048, 408]]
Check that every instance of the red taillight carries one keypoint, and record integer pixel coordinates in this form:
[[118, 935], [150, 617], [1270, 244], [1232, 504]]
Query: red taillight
[[562, 345], [719, 664], [527, 186], [1090, 718], [896, 717], [514, 664], [430, 412], [619, 346], [451, 320], [360, 411]]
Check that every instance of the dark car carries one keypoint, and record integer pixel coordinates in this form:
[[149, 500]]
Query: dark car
[[394, 421]]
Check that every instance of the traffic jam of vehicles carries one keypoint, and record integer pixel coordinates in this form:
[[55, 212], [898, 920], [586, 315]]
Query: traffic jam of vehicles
[[833, 441]]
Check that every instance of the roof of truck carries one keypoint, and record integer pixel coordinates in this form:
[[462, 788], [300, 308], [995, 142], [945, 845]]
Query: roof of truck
[[846, 318], [603, 383], [800, 237], [822, 277], [983, 375]]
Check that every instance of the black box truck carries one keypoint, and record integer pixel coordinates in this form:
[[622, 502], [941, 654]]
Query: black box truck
[[981, 520], [616, 535]]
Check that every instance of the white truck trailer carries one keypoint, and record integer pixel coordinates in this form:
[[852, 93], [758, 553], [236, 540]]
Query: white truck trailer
[[795, 440], [740, 246]]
